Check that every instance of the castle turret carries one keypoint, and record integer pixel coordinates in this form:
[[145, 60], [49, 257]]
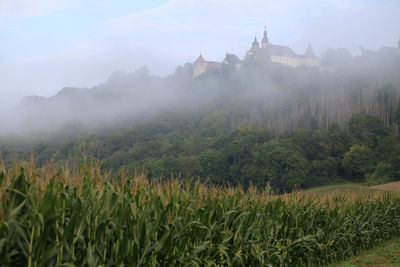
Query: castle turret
[[199, 66], [254, 47], [255, 43], [265, 41], [398, 44]]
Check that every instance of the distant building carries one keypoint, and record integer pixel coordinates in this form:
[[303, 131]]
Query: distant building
[[254, 48], [201, 65], [283, 54], [231, 59], [277, 53]]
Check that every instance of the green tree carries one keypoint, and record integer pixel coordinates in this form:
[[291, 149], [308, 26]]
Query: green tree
[[367, 130], [283, 166], [314, 144], [213, 165], [357, 162]]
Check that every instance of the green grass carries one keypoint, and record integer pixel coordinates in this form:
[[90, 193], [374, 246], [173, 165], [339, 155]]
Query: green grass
[[387, 254], [340, 188]]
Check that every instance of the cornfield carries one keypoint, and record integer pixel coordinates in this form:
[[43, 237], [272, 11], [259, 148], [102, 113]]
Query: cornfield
[[85, 217]]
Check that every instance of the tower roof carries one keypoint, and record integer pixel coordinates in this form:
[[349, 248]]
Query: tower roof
[[200, 59], [265, 37], [255, 42]]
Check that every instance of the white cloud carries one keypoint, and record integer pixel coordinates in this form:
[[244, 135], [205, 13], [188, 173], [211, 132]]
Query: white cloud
[[30, 8], [323, 22]]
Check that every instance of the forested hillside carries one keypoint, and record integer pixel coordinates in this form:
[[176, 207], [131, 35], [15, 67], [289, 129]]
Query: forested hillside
[[264, 122]]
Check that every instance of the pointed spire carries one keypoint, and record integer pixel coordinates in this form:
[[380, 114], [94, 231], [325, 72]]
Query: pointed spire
[[255, 42], [265, 37]]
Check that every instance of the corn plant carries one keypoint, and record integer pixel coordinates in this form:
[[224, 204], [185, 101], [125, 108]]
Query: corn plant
[[85, 217]]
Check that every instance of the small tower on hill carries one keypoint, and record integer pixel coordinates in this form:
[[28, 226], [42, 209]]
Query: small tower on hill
[[200, 60], [199, 66], [254, 47]]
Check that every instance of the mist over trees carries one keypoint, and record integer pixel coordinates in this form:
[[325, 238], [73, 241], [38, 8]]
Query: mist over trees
[[262, 122], [264, 92]]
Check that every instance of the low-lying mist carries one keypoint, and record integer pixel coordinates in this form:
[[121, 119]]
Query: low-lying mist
[[124, 98], [260, 91]]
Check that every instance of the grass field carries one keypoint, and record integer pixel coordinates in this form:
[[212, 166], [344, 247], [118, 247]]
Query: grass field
[[340, 188], [84, 217], [354, 188], [384, 255]]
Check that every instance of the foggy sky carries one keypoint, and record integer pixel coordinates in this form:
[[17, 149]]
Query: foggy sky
[[46, 45]]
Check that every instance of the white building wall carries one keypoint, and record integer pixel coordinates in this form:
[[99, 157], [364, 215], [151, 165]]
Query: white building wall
[[295, 62], [199, 68]]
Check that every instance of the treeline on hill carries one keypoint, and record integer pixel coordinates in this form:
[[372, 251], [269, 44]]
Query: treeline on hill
[[191, 146]]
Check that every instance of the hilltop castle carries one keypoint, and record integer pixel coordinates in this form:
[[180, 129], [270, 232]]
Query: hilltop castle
[[276, 53]]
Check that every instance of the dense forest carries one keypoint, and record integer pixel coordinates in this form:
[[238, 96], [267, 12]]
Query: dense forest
[[262, 123]]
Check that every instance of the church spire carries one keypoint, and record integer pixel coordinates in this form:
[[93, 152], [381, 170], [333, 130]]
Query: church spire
[[265, 40]]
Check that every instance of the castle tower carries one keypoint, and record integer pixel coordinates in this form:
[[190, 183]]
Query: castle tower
[[254, 47], [200, 60], [255, 43], [199, 66], [398, 44], [265, 41]]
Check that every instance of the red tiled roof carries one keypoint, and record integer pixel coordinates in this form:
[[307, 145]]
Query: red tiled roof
[[200, 59]]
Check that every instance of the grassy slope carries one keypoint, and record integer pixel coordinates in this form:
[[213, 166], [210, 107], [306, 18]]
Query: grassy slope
[[342, 188], [386, 254], [349, 188]]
